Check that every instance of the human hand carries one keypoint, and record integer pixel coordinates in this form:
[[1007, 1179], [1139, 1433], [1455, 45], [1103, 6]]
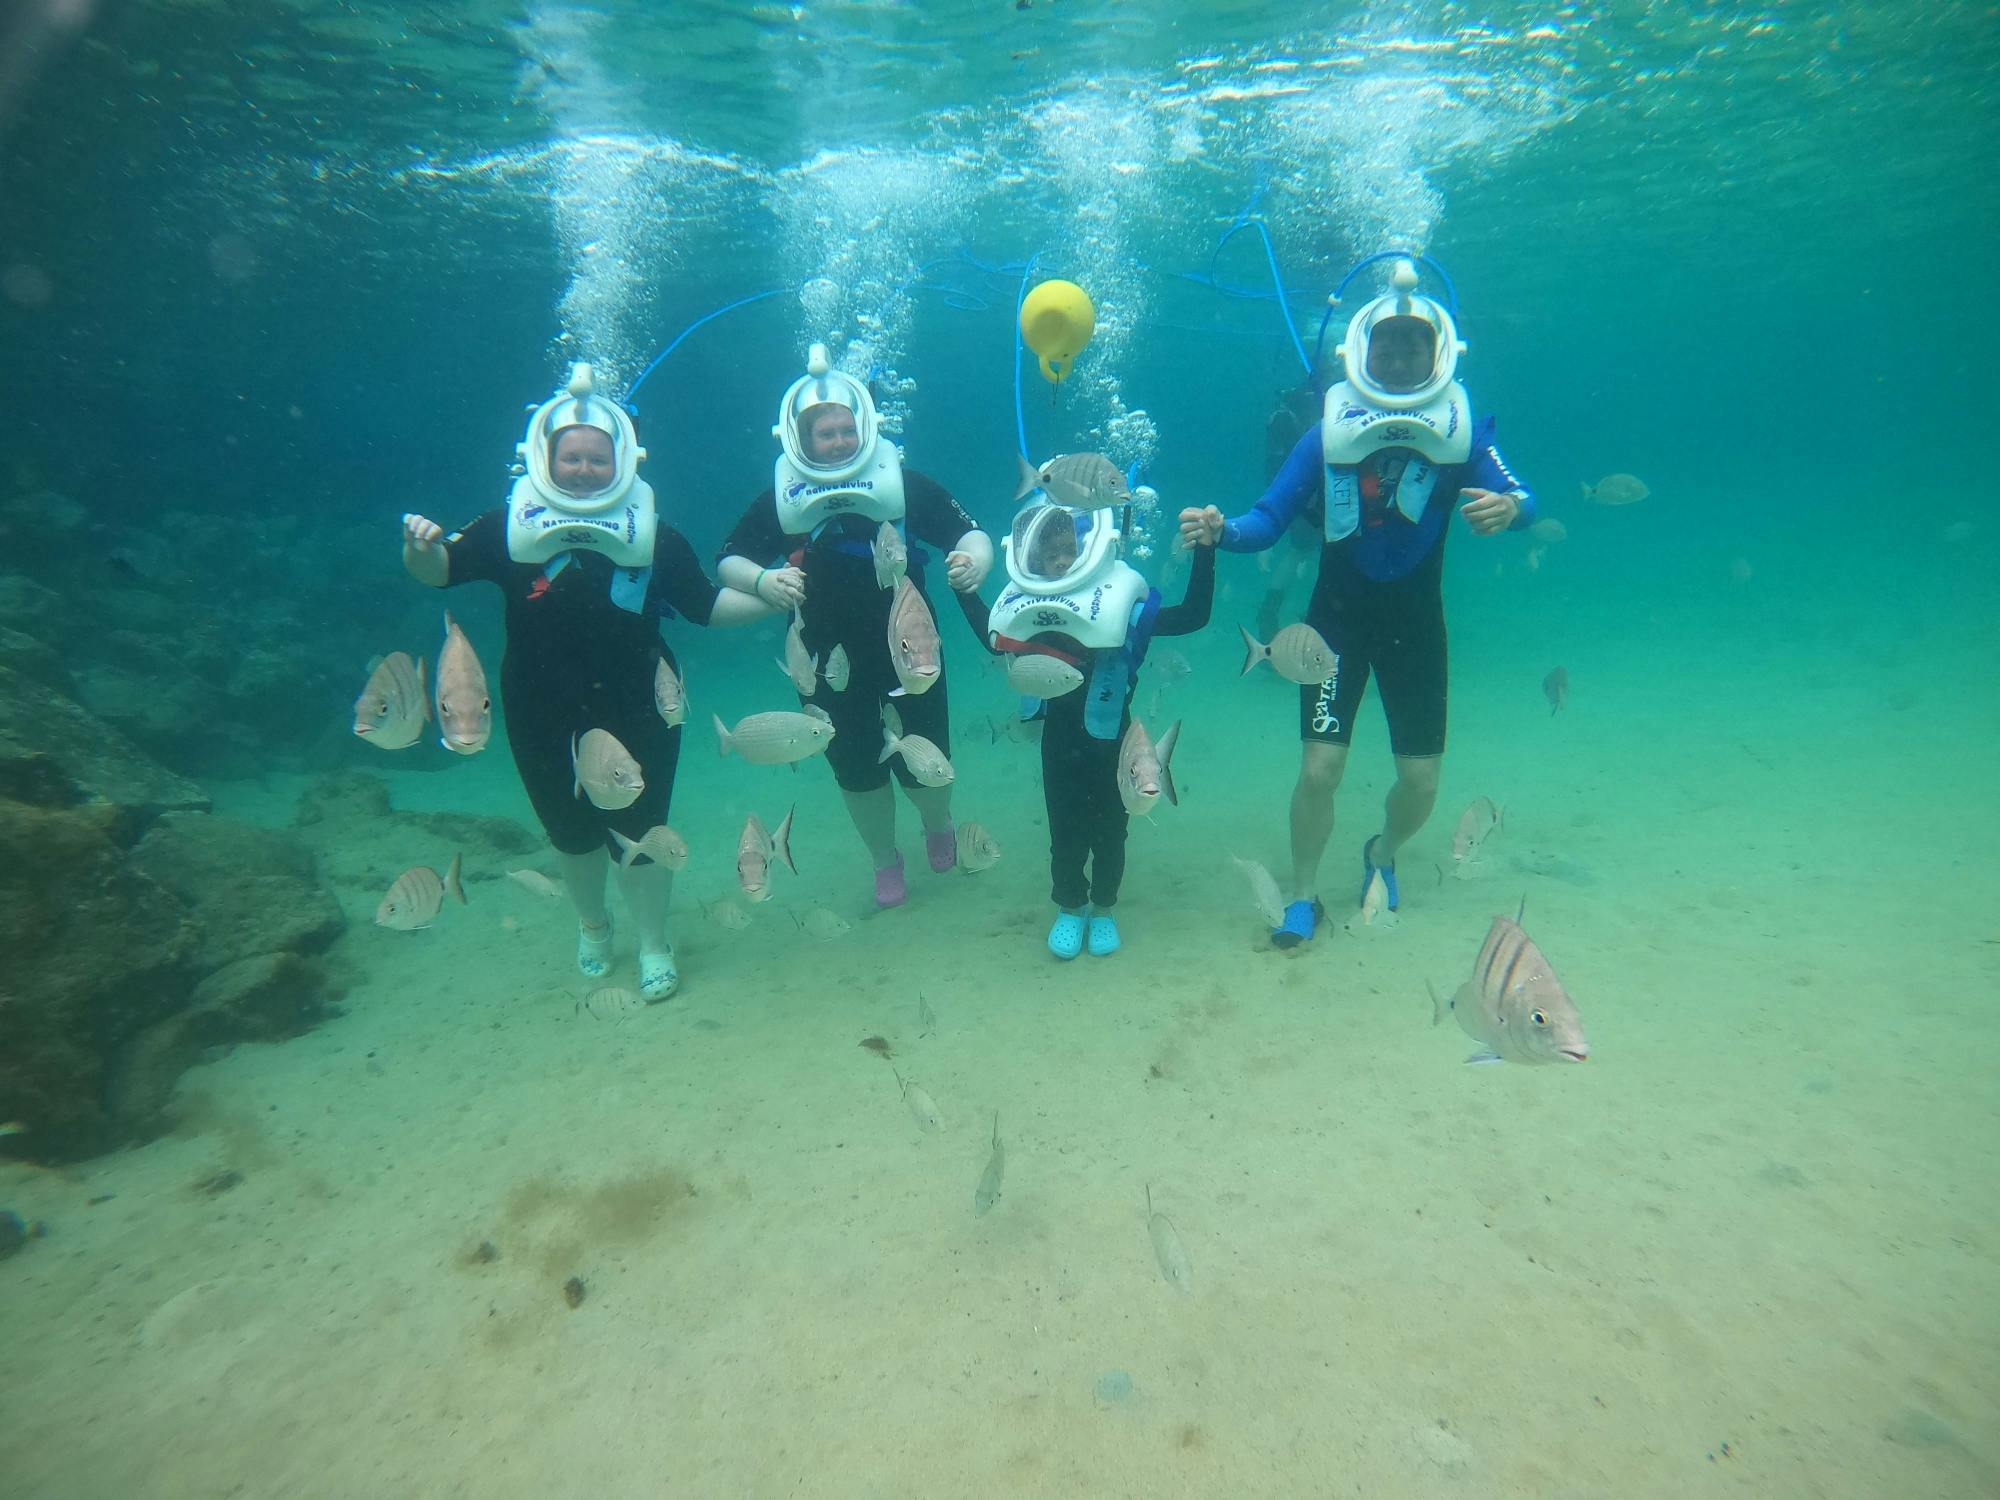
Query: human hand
[[1201, 527], [962, 572], [421, 532], [1488, 511], [783, 587]]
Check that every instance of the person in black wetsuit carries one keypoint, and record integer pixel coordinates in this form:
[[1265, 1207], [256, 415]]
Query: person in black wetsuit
[[1071, 598], [809, 543], [588, 573]]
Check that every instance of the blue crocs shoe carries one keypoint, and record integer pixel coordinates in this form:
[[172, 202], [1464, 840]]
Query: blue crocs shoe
[[1066, 937], [1301, 917], [1103, 934], [1368, 869]]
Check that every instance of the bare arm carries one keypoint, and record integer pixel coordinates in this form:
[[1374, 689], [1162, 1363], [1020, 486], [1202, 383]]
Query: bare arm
[[734, 607]]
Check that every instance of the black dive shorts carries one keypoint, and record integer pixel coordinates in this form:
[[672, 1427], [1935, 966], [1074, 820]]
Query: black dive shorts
[[1397, 634], [857, 618], [545, 709]]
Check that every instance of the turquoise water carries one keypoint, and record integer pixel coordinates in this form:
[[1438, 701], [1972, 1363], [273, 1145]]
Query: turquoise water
[[271, 281]]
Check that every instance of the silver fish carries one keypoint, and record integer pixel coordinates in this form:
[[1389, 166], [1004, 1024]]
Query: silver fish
[[755, 852], [464, 708], [925, 761], [799, 664], [923, 1109], [1145, 771], [836, 669], [1079, 481], [824, 925], [536, 881], [1479, 821], [417, 896], [1513, 1005], [1263, 890], [1039, 675], [1298, 653], [977, 849], [914, 649], [1555, 688], [774, 739], [988, 1192], [1549, 529], [892, 557], [669, 693], [1171, 664], [926, 1017], [395, 705], [604, 770], [1617, 489], [1167, 1249], [1374, 910], [659, 843], [729, 914], [610, 1003]]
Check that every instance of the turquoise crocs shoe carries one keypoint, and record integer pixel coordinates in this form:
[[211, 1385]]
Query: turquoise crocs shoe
[[1103, 934], [1066, 937], [659, 977]]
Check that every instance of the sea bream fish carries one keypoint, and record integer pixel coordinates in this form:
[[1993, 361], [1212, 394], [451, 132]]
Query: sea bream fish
[[417, 897], [1480, 820], [604, 770], [755, 852], [799, 664], [1145, 770], [1513, 1005], [1077, 481], [914, 649], [1298, 653], [1036, 674], [892, 556], [776, 738], [464, 707], [660, 844], [669, 693], [395, 705], [977, 848], [921, 757], [836, 669]]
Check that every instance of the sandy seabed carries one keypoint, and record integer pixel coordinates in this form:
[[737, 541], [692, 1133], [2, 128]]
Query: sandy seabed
[[1748, 1249]]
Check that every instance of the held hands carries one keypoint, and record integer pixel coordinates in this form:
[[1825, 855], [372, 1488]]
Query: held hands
[[962, 572], [1201, 527], [421, 533], [784, 588], [1488, 511]]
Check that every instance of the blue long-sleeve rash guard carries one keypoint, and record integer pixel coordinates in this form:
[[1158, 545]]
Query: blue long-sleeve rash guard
[[1380, 552]]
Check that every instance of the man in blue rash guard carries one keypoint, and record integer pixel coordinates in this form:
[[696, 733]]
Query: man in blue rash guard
[[1395, 444]]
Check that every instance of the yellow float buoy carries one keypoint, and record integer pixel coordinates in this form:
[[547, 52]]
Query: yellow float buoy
[[1057, 320]]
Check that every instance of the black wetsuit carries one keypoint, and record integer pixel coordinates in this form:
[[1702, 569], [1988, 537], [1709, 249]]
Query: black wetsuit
[[576, 661], [845, 606], [1087, 817]]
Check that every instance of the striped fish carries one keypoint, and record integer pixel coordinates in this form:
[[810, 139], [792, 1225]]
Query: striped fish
[[1513, 1005]]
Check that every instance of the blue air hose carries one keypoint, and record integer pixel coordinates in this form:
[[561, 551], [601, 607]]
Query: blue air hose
[[679, 338]]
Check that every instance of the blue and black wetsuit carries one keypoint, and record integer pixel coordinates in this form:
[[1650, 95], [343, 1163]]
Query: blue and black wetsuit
[[1379, 601], [845, 606], [578, 660]]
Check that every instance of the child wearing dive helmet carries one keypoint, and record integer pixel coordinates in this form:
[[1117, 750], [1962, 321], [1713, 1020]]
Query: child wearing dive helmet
[[588, 571], [1074, 603]]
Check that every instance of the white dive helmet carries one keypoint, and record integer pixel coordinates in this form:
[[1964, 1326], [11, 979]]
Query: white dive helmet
[[1052, 549], [1401, 301], [822, 385], [576, 406]]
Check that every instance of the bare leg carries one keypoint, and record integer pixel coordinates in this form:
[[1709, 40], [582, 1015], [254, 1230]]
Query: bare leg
[[1409, 803], [933, 805], [874, 814], [583, 874], [648, 889], [1320, 768]]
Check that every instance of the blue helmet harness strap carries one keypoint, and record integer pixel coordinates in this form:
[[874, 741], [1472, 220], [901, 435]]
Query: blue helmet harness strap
[[854, 546]]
